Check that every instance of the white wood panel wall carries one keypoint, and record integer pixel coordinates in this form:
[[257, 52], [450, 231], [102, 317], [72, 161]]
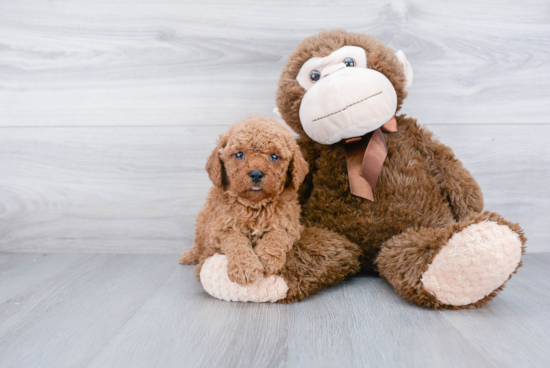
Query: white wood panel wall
[[108, 109]]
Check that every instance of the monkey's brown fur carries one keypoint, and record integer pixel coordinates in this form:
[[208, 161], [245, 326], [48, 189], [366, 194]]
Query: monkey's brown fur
[[256, 230], [320, 258], [423, 196], [412, 251]]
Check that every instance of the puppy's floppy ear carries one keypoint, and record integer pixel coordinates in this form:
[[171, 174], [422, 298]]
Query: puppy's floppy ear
[[298, 166], [214, 164]]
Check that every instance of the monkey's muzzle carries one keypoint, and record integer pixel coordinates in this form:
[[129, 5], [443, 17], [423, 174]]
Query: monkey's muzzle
[[350, 102]]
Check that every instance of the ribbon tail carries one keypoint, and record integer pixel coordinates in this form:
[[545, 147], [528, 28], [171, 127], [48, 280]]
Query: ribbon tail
[[355, 150], [374, 157], [365, 161]]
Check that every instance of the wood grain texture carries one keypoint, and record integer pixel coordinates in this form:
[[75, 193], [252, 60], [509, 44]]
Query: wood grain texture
[[109, 109], [146, 310], [364, 323], [196, 330], [173, 62], [138, 189], [522, 307], [14, 270], [102, 189], [65, 320]]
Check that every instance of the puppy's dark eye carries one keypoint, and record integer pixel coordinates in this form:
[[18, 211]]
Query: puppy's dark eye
[[315, 75], [274, 157], [239, 155], [349, 62]]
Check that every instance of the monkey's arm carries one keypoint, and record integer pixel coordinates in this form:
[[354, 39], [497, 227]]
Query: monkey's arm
[[310, 153], [457, 184]]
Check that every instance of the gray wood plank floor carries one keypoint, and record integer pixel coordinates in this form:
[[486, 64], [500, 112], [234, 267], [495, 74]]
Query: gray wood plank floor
[[74, 310], [108, 110]]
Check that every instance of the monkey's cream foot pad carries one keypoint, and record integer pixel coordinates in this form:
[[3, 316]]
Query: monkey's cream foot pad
[[475, 262], [215, 282]]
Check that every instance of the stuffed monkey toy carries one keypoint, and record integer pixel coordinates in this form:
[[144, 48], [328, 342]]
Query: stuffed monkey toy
[[384, 183]]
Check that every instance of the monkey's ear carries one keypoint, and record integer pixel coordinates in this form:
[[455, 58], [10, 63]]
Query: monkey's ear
[[214, 164], [279, 119], [406, 67], [298, 166]]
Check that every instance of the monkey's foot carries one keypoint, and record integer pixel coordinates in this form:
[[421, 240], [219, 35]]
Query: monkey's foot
[[475, 262], [215, 282]]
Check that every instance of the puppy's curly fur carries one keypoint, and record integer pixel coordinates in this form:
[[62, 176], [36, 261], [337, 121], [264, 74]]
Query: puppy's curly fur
[[254, 225]]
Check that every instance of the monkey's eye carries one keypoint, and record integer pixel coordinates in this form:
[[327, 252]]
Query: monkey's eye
[[315, 75], [274, 157], [349, 62], [239, 155]]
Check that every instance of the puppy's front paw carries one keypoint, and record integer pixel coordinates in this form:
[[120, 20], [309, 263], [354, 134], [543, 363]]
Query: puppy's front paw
[[216, 282], [272, 265], [245, 271]]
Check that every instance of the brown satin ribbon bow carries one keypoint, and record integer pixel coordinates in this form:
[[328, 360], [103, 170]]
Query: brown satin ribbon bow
[[365, 157]]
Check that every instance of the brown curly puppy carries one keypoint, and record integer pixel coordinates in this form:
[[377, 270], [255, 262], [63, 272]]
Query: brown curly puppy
[[252, 214]]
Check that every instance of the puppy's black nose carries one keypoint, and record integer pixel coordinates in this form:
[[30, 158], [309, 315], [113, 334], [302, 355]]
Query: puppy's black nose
[[256, 175]]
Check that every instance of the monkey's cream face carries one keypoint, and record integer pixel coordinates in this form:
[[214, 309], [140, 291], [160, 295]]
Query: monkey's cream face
[[344, 98]]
